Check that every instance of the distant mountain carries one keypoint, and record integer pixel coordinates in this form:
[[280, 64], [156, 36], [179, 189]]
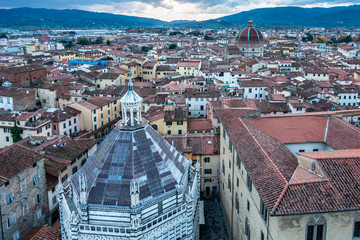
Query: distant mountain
[[266, 17], [51, 18], [297, 16]]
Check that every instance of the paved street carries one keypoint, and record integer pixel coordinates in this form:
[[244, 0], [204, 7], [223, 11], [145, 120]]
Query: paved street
[[215, 225]]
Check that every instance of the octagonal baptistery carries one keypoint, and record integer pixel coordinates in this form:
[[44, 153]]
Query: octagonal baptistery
[[135, 186], [250, 41]]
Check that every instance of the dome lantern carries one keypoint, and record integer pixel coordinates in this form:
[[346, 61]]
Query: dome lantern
[[131, 102]]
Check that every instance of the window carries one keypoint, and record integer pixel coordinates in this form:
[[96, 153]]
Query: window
[[230, 145], [229, 183], [37, 199], [169, 132], [16, 236], [9, 198], [94, 111], [74, 170], [207, 171], [249, 182], [7, 139], [168, 123], [223, 167], [237, 182], [74, 120], [301, 150], [248, 205], [207, 159], [207, 180], [237, 203], [263, 211], [69, 123], [315, 150], [11, 220], [35, 180], [357, 229], [22, 184], [316, 228], [262, 236], [238, 161], [179, 132], [102, 116], [94, 119], [64, 125], [38, 214], [180, 123], [247, 229]]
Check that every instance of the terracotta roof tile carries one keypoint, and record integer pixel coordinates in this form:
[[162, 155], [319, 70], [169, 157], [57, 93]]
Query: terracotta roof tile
[[22, 156]]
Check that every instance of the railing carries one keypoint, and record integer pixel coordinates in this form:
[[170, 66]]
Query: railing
[[132, 231]]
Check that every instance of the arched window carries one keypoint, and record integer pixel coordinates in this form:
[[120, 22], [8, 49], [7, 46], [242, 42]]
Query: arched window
[[237, 203], [316, 228]]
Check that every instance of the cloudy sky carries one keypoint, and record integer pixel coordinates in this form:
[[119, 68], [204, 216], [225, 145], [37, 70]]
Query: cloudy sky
[[171, 9]]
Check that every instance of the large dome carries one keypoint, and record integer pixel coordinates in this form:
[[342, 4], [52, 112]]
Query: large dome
[[250, 34]]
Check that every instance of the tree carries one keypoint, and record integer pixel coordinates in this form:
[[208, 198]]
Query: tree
[[173, 46], [107, 58], [69, 45], [108, 42], [99, 40], [348, 39], [16, 133], [145, 49], [83, 41], [207, 37]]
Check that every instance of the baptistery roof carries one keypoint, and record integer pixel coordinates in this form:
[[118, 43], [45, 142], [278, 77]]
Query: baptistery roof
[[249, 34], [132, 153]]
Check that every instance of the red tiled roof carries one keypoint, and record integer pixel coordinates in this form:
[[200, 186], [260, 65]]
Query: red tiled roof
[[293, 130], [304, 175], [339, 193], [15, 159], [198, 124], [46, 232]]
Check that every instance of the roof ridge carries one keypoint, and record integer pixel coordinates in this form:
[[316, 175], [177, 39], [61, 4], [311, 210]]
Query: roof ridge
[[280, 198]]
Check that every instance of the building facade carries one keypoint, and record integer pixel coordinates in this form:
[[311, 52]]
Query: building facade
[[22, 188], [276, 182]]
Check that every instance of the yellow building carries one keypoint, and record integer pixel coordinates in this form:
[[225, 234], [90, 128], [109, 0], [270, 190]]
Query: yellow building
[[168, 122], [96, 112], [190, 68], [110, 79], [204, 148], [66, 55]]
